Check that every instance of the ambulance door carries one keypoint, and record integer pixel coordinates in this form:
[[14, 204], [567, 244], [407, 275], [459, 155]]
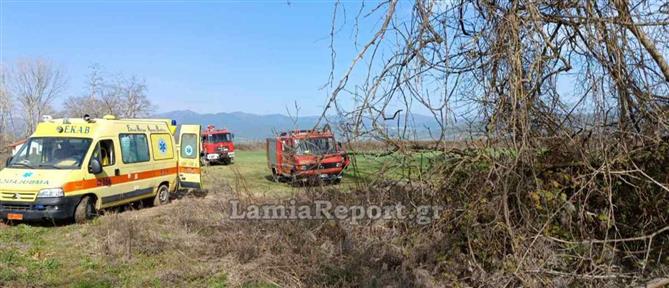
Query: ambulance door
[[189, 157], [108, 188]]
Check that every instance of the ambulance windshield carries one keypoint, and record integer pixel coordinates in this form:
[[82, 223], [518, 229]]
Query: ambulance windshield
[[51, 153]]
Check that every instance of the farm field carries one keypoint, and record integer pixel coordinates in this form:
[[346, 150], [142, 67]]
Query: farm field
[[150, 247], [250, 175]]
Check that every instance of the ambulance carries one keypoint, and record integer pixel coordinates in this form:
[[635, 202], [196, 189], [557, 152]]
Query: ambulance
[[71, 168]]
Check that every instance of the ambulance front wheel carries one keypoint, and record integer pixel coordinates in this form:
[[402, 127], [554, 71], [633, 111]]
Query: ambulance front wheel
[[85, 210], [163, 196]]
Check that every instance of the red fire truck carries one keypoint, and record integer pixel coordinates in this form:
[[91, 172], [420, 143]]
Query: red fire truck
[[306, 155], [217, 146]]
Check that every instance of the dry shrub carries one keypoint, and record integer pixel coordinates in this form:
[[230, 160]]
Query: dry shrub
[[371, 146], [413, 145], [250, 146], [505, 223], [536, 218]]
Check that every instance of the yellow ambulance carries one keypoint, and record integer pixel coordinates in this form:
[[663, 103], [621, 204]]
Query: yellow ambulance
[[72, 168]]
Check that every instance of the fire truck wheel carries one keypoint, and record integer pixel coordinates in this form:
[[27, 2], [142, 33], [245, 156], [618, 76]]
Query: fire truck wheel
[[85, 210], [162, 197]]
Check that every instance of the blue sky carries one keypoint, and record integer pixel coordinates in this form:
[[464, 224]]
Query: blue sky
[[206, 56]]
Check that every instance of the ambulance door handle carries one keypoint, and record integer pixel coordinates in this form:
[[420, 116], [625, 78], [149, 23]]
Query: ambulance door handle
[[117, 172]]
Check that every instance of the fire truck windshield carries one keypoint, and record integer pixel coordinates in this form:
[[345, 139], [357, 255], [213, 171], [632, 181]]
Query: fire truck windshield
[[315, 146], [217, 138]]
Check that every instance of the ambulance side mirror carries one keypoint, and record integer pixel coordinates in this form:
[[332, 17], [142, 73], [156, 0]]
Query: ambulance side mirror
[[94, 167]]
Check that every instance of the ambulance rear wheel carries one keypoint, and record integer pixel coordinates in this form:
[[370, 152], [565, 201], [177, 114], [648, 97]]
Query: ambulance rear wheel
[[85, 210], [162, 196]]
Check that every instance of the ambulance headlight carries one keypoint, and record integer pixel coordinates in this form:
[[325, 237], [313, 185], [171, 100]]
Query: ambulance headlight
[[51, 193]]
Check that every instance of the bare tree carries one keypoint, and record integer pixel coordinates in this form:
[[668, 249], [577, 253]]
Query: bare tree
[[119, 96], [5, 108], [135, 102], [91, 103], [36, 83]]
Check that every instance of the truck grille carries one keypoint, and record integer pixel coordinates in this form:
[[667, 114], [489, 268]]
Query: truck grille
[[17, 196], [15, 207], [322, 166]]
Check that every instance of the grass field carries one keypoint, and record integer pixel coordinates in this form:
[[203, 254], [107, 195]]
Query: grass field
[[100, 253], [250, 174], [37, 255], [87, 256]]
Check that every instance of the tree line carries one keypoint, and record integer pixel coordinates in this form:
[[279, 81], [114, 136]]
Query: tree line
[[31, 88]]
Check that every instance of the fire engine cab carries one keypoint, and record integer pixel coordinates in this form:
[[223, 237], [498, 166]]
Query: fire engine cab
[[217, 146], [306, 155]]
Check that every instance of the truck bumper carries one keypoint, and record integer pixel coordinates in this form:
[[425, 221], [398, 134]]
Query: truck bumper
[[42, 209], [221, 158], [323, 174]]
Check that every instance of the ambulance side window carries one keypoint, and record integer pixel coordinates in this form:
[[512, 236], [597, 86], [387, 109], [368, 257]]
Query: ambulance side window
[[134, 148], [188, 146], [162, 146], [105, 153]]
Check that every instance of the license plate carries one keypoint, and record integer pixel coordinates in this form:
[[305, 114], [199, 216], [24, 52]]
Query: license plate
[[14, 216]]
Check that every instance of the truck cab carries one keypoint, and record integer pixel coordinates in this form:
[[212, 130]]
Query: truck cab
[[306, 155], [218, 146]]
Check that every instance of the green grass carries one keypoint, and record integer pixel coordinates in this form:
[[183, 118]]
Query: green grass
[[251, 174], [248, 174], [33, 256], [65, 256]]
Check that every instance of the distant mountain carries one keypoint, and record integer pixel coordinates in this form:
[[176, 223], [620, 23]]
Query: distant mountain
[[248, 127], [245, 126]]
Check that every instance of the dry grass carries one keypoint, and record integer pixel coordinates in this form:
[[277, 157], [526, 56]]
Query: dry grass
[[193, 243]]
